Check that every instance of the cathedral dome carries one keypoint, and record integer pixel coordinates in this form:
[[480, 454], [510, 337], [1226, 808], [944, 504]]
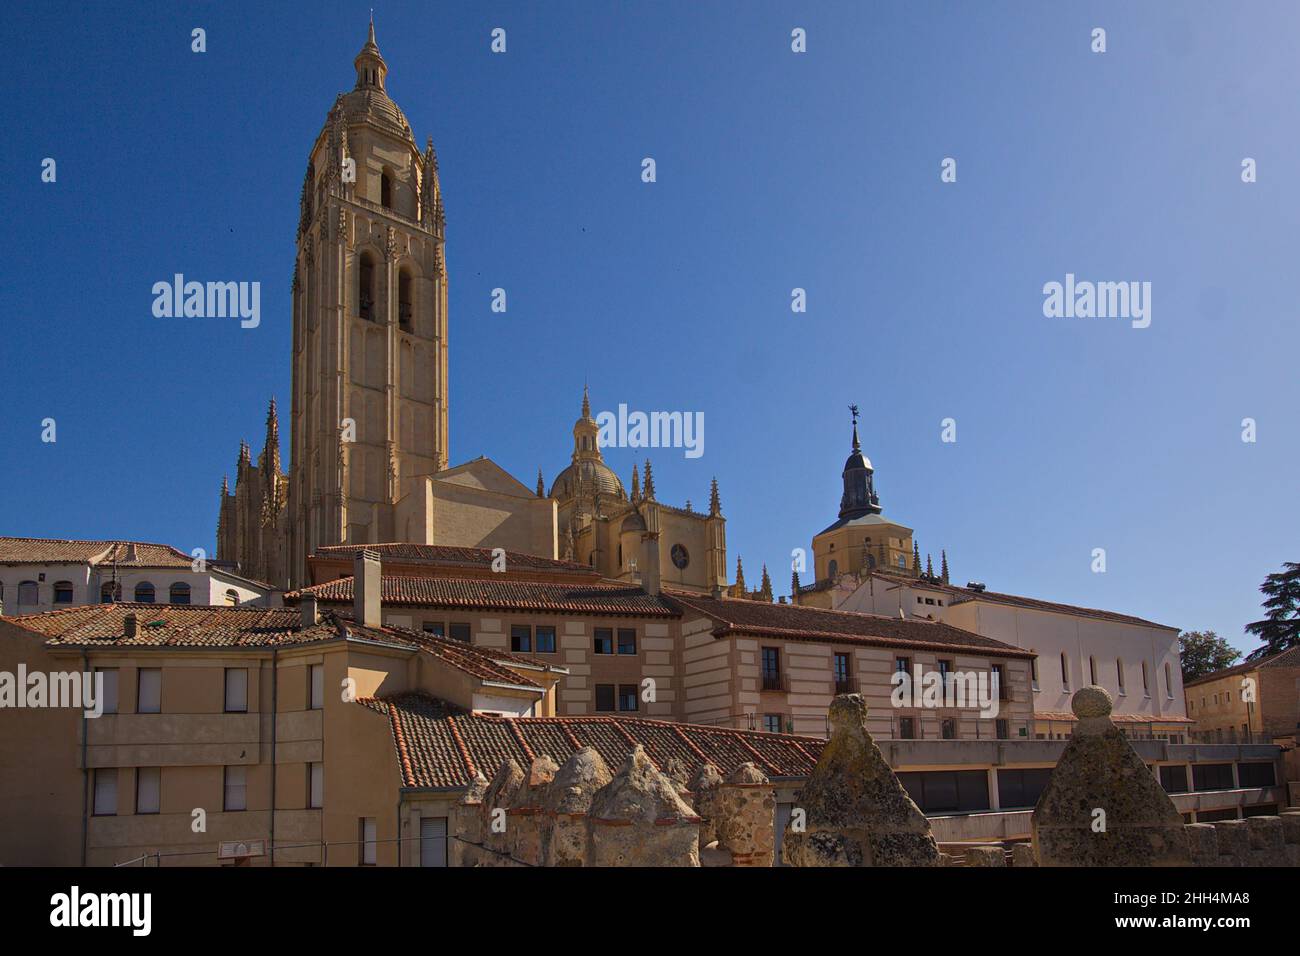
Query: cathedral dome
[[586, 476]]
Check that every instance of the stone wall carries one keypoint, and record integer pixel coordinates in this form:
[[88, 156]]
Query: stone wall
[[745, 811]]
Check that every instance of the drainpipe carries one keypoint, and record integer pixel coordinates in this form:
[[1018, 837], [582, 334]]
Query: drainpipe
[[399, 829], [85, 771], [275, 719]]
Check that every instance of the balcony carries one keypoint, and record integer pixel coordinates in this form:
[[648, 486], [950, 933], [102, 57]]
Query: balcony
[[846, 685], [776, 682]]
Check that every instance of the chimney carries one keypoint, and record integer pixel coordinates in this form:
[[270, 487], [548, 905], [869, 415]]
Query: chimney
[[366, 607], [649, 563], [129, 625], [310, 612]]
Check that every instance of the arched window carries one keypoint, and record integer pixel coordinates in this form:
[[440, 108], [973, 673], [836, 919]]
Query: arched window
[[232, 597], [1065, 672], [386, 190], [404, 309], [366, 288], [144, 593], [1169, 683], [1092, 670], [1146, 686], [833, 569], [110, 592], [62, 592], [180, 593], [1033, 668], [29, 593], [1119, 674]]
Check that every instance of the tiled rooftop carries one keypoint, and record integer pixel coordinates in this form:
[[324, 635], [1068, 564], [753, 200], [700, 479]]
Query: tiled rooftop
[[796, 622], [1287, 658], [137, 554], [439, 746], [489, 595], [443, 555]]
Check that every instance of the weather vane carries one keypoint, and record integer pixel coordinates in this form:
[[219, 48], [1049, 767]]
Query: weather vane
[[854, 410]]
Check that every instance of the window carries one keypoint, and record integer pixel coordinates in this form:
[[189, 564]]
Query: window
[[315, 785], [843, 682], [906, 728], [1173, 778], [772, 723], [365, 289], [1169, 683], [179, 593], [1002, 729], [771, 668], [604, 697], [434, 627], [236, 797], [232, 597], [236, 690], [386, 190], [902, 665], [1092, 670], [433, 841], [1256, 775], [144, 593], [1021, 788], [627, 696], [29, 593], [603, 641], [1119, 674], [110, 592], [1065, 672], [948, 729], [521, 638], [948, 791], [106, 792], [999, 679], [148, 789], [108, 695], [460, 632], [833, 569], [149, 691], [1146, 687], [1212, 776], [62, 592], [316, 687], [545, 639], [626, 641], [368, 842], [945, 667], [404, 310], [1033, 669]]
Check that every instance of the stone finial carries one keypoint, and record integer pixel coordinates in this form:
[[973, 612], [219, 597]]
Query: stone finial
[[747, 775], [538, 779], [639, 791], [506, 784], [475, 792], [706, 777], [639, 819], [1101, 805], [576, 782], [856, 812]]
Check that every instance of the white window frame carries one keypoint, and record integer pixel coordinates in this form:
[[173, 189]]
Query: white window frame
[[151, 676], [236, 696]]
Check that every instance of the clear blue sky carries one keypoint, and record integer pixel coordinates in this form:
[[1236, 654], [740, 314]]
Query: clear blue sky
[[775, 170]]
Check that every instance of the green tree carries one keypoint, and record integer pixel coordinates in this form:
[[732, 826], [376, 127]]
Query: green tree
[[1204, 652], [1280, 629]]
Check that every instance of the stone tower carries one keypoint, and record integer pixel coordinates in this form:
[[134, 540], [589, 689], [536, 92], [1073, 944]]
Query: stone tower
[[369, 409]]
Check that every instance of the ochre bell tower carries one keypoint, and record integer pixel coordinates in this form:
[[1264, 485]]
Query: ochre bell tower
[[369, 414]]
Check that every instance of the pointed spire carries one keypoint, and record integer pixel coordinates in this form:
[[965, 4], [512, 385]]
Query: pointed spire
[[765, 588], [586, 401], [794, 585], [929, 568], [225, 485], [541, 485], [857, 445], [636, 485], [715, 502], [916, 558], [740, 578], [943, 570], [370, 64], [649, 482]]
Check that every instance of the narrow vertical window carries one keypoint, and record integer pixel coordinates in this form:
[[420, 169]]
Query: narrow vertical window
[[236, 789], [236, 690], [148, 789], [149, 691]]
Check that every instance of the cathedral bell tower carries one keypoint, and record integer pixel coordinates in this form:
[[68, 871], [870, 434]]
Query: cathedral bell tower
[[369, 411]]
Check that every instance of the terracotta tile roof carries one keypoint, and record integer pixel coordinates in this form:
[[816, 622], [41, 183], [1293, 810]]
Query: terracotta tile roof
[[176, 625], [483, 594], [1066, 717], [450, 556], [1287, 658], [993, 597], [438, 745], [796, 622], [138, 554]]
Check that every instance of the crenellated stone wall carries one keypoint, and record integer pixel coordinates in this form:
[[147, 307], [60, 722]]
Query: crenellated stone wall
[[745, 809]]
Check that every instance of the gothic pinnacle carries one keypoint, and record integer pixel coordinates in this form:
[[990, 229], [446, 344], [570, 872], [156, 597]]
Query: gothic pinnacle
[[715, 502]]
